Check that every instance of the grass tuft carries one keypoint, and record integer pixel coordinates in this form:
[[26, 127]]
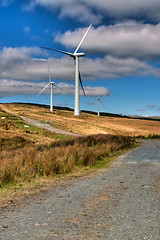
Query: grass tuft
[[60, 157], [13, 143]]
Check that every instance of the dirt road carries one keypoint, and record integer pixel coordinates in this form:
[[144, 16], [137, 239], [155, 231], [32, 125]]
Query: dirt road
[[39, 124], [48, 127], [121, 203]]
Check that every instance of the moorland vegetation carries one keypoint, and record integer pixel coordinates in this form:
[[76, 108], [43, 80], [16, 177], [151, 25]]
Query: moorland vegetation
[[31, 153]]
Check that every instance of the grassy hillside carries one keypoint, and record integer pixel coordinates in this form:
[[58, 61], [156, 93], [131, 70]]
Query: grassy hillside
[[13, 131], [87, 124], [27, 153], [30, 157]]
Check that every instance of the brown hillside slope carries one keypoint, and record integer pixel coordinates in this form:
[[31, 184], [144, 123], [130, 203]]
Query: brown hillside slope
[[86, 123]]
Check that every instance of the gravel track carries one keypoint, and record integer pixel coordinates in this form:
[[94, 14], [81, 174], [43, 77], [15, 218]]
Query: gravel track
[[48, 127], [39, 124], [119, 203]]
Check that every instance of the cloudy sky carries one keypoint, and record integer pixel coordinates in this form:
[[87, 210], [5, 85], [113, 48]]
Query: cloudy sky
[[122, 53]]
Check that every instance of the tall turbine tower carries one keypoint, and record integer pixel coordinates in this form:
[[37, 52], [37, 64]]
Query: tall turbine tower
[[98, 113], [75, 56]]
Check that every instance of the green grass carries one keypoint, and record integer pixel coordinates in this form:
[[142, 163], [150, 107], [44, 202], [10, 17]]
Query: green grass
[[31, 128], [56, 136], [105, 161]]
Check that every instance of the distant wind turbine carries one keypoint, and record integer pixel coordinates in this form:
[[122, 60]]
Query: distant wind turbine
[[52, 84], [99, 101], [78, 79]]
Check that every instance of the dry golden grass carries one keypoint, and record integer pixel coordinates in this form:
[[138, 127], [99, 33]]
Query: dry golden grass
[[25, 162], [87, 124], [26, 155], [12, 126]]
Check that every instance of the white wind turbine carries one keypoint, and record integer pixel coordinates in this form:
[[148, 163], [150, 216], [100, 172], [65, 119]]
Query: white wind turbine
[[52, 84], [99, 101], [75, 56]]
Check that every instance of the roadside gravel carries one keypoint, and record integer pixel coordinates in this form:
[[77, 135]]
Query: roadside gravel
[[119, 203]]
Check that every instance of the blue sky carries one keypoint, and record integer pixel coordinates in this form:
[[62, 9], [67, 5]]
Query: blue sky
[[122, 53]]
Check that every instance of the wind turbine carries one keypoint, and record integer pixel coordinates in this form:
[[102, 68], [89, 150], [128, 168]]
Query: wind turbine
[[78, 79], [52, 84], [99, 101]]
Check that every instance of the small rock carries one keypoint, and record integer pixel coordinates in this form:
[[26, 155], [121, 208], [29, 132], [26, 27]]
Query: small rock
[[41, 224], [153, 227], [5, 226]]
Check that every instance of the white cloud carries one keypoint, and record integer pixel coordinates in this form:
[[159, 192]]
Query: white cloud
[[5, 3], [89, 91], [111, 67], [127, 39], [27, 29], [11, 87], [96, 91], [18, 54], [93, 11], [71, 8], [124, 9], [16, 64], [152, 106], [80, 12]]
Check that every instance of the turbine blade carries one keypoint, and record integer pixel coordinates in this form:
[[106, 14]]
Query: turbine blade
[[80, 80], [58, 87], [101, 102], [81, 84], [44, 88], [49, 73], [67, 53], [82, 39]]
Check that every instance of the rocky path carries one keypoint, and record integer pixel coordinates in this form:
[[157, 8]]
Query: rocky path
[[121, 203]]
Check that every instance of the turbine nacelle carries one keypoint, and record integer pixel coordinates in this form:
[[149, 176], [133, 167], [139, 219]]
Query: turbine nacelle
[[79, 54]]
